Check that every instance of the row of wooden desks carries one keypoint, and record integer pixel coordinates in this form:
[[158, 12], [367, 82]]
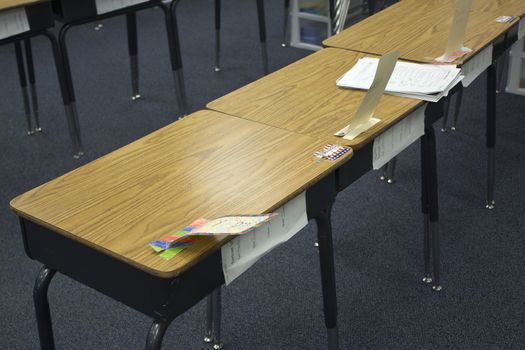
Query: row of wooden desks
[[251, 154]]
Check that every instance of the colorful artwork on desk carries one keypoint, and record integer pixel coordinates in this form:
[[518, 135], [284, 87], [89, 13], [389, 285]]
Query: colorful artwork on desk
[[332, 152], [168, 247]]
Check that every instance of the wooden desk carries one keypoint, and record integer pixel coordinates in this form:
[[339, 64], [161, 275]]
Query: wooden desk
[[304, 98], [94, 223], [419, 29]]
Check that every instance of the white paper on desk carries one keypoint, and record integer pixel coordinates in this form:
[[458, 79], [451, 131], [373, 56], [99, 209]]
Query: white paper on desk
[[13, 22], [105, 6], [521, 29], [406, 78], [390, 143], [239, 254], [476, 65]]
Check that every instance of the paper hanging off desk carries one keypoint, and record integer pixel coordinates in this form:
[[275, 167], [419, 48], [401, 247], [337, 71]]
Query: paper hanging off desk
[[521, 29], [455, 48], [427, 82], [476, 65], [13, 22], [242, 252], [105, 6], [364, 117], [390, 143]]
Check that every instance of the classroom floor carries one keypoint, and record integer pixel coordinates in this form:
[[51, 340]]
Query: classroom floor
[[277, 304]]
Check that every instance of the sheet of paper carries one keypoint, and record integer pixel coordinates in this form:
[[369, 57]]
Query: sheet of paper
[[407, 77], [521, 29], [232, 225], [13, 22], [459, 26], [104, 6], [242, 252], [353, 132], [476, 65], [390, 143]]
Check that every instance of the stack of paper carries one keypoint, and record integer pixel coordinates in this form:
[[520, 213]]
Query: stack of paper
[[420, 81]]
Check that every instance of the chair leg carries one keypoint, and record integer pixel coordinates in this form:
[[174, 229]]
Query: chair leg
[[217, 35], [175, 55], [262, 34], [23, 85], [131, 24], [43, 315], [285, 21], [71, 108], [32, 80]]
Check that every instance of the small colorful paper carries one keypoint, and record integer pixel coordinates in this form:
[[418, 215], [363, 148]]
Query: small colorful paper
[[332, 152], [232, 225], [182, 238], [505, 19], [451, 58]]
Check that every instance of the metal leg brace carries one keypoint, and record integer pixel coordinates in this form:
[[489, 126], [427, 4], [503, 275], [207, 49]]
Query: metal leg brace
[[131, 23], [491, 135], [32, 80], [23, 85]]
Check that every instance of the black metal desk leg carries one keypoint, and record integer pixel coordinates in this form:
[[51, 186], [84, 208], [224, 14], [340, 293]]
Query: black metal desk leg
[[425, 210], [504, 59], [326, 257], [285, 21], [23, 85], [213, 319], [32, 86], [64, 90], [433, 206], [43, 315], [71, 108], [457, 109], [491, 134], [176, 58], [445, 115], [131, 24], [217, 35], [156, 334], [262, 34]]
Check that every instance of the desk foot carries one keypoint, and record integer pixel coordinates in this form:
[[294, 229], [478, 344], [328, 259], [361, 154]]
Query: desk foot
[[427, 279], [333, 338], [490, 205], [444, 129], [437, 288], [453, 128], [43, 315], [135, 97]]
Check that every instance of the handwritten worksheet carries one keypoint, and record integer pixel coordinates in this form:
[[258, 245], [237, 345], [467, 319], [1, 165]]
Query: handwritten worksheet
[[241, 253], [13, 22]]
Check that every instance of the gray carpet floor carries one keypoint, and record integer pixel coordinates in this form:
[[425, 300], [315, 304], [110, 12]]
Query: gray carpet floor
[[276, 304]]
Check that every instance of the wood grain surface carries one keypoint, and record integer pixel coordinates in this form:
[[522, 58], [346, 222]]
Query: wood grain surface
[[304, 98], [10, 4], [204, 166], [419, 29]]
